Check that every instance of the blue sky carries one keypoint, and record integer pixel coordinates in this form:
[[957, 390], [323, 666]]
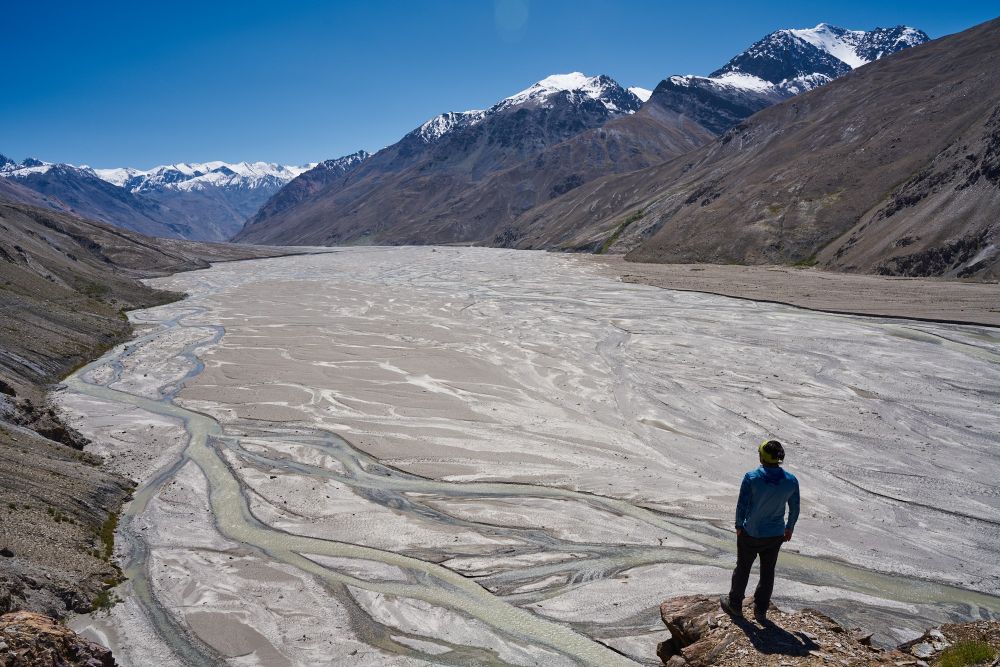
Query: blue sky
[[140, 84]]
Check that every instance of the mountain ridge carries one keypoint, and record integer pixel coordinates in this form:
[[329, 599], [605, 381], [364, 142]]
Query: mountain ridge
[[200, 201], [482, 204], [404, 186]]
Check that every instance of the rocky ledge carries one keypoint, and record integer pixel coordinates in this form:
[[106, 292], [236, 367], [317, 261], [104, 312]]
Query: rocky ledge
[[702, 634], [32, 639]]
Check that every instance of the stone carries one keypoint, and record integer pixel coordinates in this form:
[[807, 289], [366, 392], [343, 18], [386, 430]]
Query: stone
[[862, 636], [922, 650]]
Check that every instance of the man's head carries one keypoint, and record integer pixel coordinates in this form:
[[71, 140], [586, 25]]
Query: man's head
[[771, 453]]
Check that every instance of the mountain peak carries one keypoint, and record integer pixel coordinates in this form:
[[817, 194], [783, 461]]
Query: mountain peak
[[578, 87], [346, 162], [802, 58], [601, 88]]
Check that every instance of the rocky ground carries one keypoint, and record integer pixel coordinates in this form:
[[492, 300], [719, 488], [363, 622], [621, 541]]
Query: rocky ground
[[702, 634], [55, 506], [32, 639]]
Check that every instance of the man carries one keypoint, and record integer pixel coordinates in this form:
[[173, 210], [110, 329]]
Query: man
[[761, 528]]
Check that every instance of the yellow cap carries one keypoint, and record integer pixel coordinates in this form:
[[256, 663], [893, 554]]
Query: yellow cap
[[771, 452]]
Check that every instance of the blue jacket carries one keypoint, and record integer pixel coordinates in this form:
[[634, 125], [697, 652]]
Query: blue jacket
[[764, 493]]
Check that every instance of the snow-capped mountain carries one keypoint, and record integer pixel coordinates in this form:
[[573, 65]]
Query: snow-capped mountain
[[79, 190], [781, 65], [204, 201], [443, 159], [199, 176], [11, 169], [464, 176], [797, 60], [574, 88]]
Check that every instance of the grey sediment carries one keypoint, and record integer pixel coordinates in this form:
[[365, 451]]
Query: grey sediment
[[486, 598]]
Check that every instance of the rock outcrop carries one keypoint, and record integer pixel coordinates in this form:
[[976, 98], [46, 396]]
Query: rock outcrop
[[33, 639], [702, 634]]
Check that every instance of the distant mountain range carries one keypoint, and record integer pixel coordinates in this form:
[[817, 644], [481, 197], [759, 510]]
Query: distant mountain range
[[209, 201], [850, 150], [467, 176]]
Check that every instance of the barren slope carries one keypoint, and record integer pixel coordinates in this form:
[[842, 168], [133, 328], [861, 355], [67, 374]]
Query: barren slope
[[65, 283]]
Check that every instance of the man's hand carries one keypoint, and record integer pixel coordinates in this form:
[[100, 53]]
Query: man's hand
[[739, 532], [788, 536]]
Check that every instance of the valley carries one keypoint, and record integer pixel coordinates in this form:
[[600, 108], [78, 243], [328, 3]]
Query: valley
[[484, 391], [459, 455]]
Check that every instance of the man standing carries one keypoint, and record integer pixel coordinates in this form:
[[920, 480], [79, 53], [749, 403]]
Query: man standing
[[761, 527]]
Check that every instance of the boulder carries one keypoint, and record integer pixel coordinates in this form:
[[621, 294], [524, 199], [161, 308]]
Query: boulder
[[34, 639]]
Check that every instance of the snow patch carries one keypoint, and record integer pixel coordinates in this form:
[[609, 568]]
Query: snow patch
[[642, 93], [440, 125], [838, 42], [574, 83], [743, 81]]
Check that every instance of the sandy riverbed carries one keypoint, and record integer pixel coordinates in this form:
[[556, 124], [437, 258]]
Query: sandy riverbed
[[571, 443], [919, 298]]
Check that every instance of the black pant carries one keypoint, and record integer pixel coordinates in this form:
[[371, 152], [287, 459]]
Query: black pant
[[747, 550]]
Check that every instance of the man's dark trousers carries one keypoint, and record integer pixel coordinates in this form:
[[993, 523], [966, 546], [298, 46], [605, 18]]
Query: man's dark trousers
[[747, 550]]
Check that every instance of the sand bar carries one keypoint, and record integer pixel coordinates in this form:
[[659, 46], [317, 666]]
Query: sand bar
[[918, 298]]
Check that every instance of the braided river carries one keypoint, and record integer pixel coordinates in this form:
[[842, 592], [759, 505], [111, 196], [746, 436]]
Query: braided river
[[465, 456]]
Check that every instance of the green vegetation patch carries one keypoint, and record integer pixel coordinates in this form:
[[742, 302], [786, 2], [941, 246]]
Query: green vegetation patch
[[107, 535], [806, 262], [94, 290], [964, 653], [106, 599], [637, 215]]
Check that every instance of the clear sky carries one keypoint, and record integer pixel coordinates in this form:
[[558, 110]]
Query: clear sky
[[147, 83]]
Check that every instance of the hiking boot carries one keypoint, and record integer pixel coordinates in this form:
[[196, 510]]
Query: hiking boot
[[760, 615], [729, 608]]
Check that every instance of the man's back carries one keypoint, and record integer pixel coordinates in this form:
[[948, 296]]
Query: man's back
[[764, 494]]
